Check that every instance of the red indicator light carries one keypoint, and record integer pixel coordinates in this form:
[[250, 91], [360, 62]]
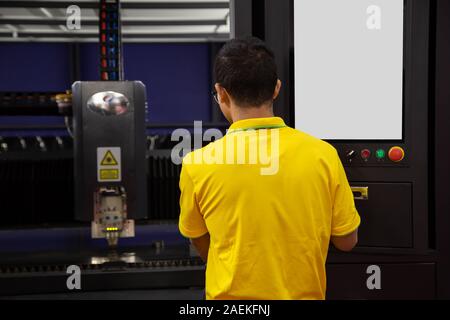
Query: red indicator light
[[365, 154]]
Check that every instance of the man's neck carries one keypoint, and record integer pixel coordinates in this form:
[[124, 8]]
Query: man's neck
[[251, 113]]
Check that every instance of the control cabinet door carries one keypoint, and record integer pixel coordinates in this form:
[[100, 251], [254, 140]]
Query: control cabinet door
[[381, 281], [386, 215]]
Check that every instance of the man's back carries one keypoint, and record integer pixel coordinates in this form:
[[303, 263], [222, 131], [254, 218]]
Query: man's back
[[270, 222]]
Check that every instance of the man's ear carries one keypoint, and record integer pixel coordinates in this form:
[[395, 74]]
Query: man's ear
[[222, 95], [277, 89], [224, 102]]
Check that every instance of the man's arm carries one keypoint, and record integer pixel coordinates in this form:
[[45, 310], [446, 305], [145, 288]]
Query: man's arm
[[345, 218], [192, 225], [202, 246], [347, 242]]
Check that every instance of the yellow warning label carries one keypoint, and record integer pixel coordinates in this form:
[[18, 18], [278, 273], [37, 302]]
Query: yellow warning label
[[109, 164], [109, 174], [109, 160]]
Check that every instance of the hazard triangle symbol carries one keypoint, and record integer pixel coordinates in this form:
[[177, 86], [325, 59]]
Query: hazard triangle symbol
[[109, 160]]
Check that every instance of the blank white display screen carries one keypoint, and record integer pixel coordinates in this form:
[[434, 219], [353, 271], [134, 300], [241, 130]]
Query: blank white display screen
[[349, 69]]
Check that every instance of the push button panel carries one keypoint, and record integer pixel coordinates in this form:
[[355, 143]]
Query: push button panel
[[372, 155]]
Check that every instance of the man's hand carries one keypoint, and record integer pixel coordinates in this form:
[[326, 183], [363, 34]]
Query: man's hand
[[202, 246], [347, 242]]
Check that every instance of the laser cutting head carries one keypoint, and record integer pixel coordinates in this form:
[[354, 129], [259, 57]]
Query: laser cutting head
[[110, 140]]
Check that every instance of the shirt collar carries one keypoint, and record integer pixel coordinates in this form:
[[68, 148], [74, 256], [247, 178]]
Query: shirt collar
[[257, 123]]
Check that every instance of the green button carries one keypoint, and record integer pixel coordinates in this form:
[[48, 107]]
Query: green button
[[380, 154]]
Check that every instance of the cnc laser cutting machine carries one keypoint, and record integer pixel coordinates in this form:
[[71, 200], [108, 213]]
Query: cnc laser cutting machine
[[111, 168], [110, 143]]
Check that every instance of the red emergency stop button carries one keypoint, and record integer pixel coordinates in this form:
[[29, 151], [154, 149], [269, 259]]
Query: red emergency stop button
[[396, 154]]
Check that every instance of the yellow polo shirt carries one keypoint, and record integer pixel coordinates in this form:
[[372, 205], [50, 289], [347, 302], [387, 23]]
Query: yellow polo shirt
[[270, 197]]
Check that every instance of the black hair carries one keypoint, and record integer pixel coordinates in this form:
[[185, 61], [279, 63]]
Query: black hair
[[246, 69]]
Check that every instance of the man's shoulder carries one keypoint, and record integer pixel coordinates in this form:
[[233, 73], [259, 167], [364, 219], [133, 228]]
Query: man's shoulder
[[311, 142], [197, 156]]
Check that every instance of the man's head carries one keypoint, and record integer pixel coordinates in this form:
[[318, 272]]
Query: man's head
[[246, 77]]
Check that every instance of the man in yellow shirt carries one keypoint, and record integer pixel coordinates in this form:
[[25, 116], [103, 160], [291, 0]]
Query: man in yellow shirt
[[262, 204]]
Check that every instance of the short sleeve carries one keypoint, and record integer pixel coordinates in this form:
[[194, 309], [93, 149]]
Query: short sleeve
[[345, 217], [191, 223]]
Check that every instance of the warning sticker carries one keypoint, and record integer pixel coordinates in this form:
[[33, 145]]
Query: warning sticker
[[109, 164], [109, 159], [107, 174]]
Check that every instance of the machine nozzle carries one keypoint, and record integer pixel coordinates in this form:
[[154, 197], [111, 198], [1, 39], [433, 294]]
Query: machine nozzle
[[110, 220]]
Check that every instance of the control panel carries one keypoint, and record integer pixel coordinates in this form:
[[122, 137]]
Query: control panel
[[362, 155]]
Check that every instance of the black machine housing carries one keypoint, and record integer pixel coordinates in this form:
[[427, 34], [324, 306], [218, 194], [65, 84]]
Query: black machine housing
[[126, 131]]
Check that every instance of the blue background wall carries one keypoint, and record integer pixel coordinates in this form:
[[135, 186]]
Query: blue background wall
[[177, 76]]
